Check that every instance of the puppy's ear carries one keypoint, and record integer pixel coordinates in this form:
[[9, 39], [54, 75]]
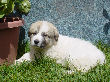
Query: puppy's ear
[[56, 35], [29, 31], [55, 31], [29, 34]]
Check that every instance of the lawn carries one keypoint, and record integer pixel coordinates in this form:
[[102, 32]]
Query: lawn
[[46, 70]]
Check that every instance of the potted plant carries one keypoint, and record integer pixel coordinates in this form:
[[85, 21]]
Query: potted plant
[[9, 27]]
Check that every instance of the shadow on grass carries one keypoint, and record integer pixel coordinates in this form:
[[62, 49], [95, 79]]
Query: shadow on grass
[[23, 47]]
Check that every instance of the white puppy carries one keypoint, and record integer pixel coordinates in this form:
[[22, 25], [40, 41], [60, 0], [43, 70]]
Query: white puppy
[[74, 52]]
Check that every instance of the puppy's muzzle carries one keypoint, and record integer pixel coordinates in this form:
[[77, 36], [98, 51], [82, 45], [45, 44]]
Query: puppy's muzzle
[[42, 45]]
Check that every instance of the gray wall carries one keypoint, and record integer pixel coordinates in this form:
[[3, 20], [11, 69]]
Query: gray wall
[[86, 19]]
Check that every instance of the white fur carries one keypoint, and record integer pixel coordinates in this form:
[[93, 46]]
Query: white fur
[[44, 27], [79, 53], [74, 52]]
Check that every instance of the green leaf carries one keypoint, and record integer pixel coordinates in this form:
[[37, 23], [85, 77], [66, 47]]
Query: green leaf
[[4, 1], [10, 7], [6, 7], [2, 8], [1, 15], [24, 6]]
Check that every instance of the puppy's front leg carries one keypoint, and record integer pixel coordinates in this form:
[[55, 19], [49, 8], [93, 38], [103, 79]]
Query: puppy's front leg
[[25, 57]]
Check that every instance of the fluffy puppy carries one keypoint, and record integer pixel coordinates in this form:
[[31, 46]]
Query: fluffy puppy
[[74, 52]]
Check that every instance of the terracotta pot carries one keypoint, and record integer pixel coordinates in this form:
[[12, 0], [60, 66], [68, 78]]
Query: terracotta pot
[[9, 36]]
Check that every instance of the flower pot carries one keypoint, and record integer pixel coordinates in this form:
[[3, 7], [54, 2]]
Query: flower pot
[[9, 36]]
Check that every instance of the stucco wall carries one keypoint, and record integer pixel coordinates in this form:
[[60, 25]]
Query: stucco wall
[[86, 19]]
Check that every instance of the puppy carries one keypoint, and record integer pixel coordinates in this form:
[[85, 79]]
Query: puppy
[[76, 53]]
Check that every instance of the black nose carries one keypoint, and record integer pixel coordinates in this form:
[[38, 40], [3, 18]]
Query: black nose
[[36, 41]]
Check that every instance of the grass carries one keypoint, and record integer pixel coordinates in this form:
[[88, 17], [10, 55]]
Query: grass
[[46, 70]]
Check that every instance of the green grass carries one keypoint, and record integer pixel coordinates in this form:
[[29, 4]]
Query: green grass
[[45, 69]]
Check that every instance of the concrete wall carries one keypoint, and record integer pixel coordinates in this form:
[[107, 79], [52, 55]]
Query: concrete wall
[[86, 19]]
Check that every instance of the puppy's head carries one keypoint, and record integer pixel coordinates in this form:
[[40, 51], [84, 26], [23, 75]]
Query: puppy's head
[[43, 34]]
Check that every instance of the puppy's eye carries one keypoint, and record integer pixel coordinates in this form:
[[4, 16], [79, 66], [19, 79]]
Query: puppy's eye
[[34, 33], [44, 35]]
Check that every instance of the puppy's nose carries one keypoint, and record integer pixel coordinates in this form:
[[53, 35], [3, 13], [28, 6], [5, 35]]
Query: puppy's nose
[[36, 41]]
